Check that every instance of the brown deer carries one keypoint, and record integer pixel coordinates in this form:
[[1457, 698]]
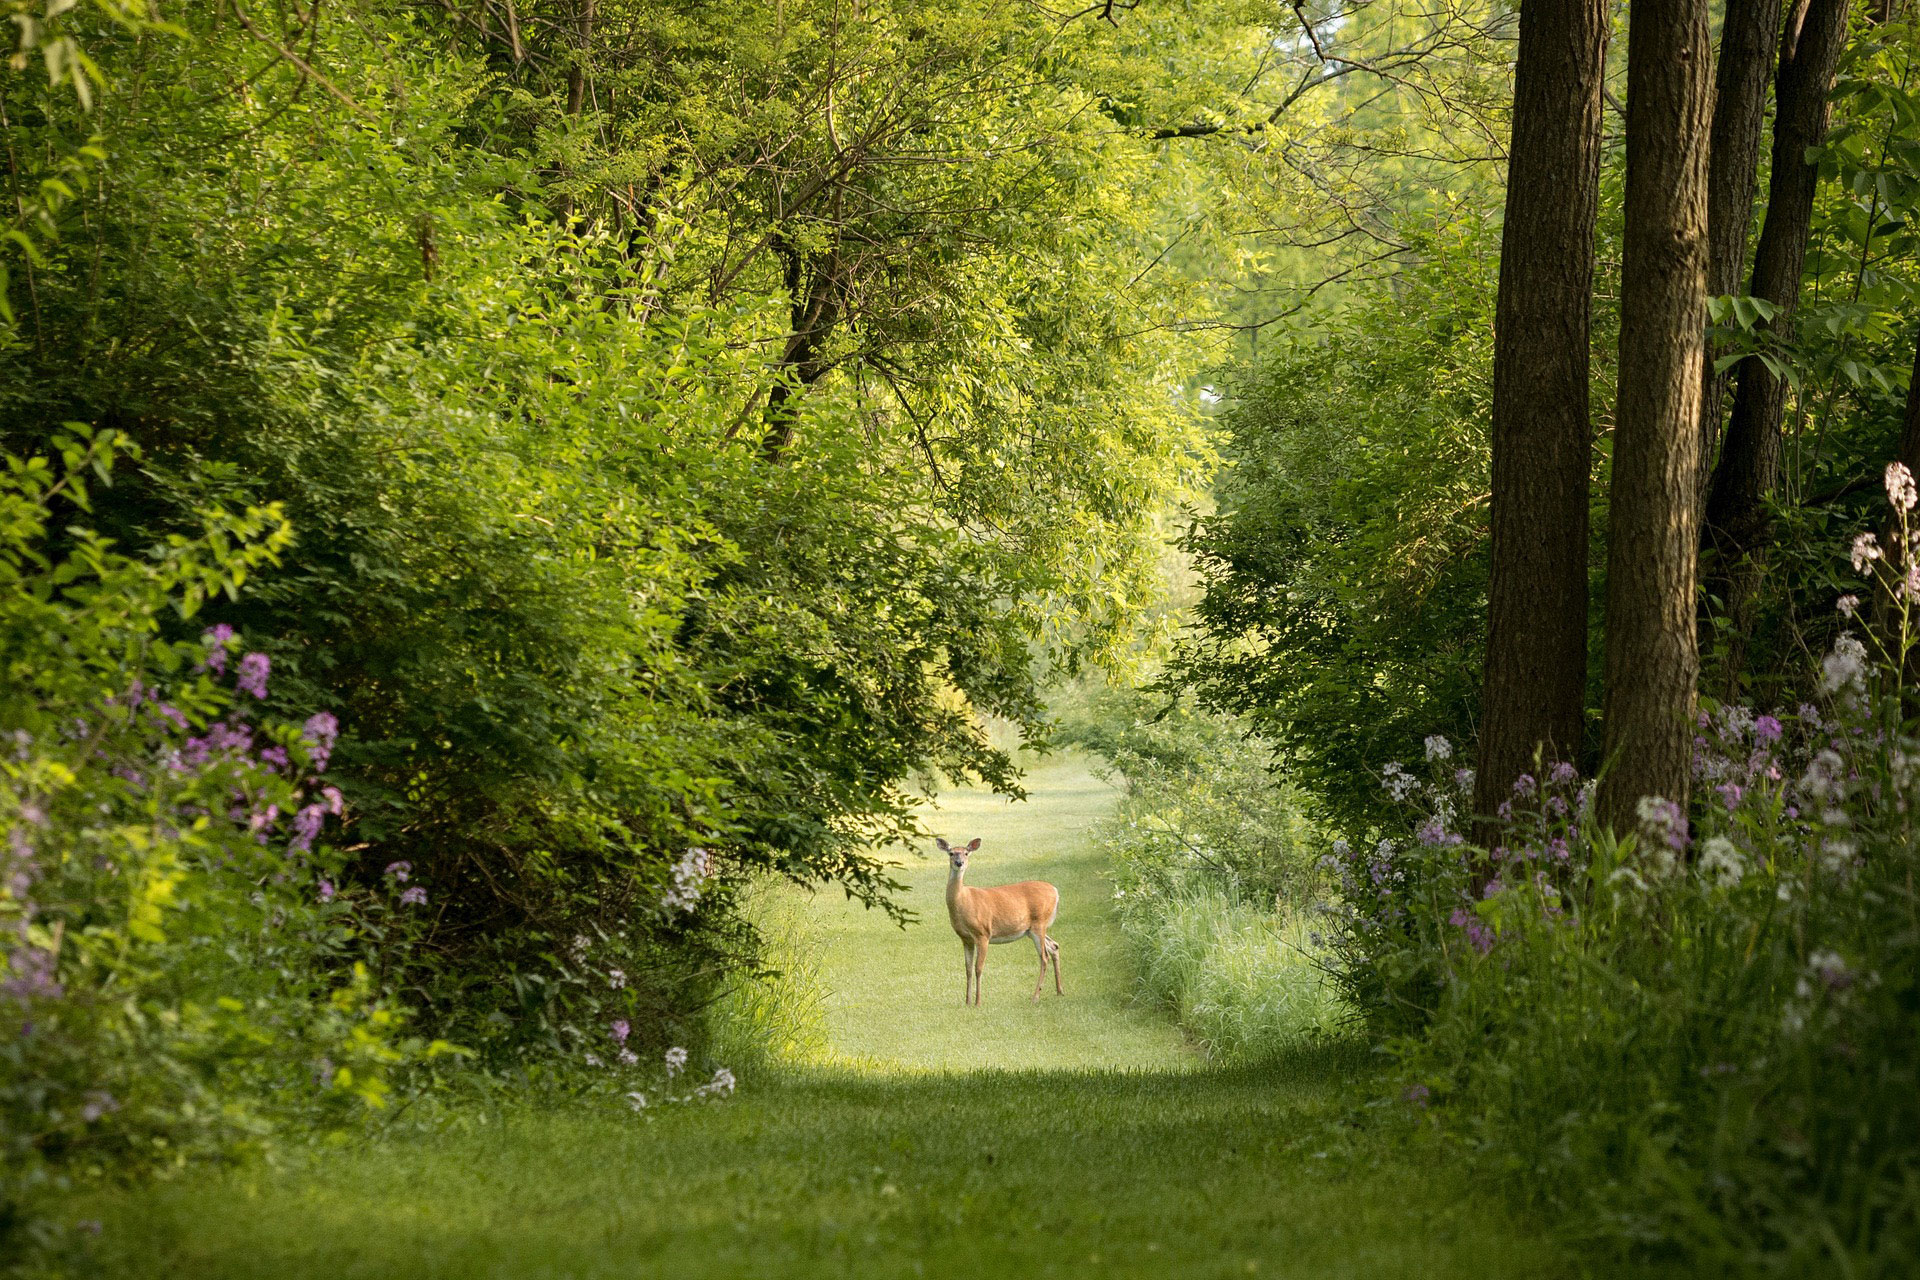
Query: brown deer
[[1010, 912]]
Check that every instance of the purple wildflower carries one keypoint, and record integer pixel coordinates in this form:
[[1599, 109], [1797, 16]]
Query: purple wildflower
[[326, 891], [32, 977], [620, 1030], [320, 731], [1766, 729], [252, 677], [1563, 774], [216, 638], [400, 870], [306, 826], [414, 897], [1475, 928]]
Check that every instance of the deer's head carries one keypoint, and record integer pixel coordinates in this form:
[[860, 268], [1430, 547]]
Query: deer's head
[[957, 858]]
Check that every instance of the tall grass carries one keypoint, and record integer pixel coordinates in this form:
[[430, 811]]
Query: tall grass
[[1240, 979], [1215, 866], [775, 1016]]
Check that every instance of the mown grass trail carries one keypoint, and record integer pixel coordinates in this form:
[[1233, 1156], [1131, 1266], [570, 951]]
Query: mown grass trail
[[894, 998], [1075, 1138]]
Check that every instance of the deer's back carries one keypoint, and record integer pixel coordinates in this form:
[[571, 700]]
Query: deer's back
[[1007, 910]]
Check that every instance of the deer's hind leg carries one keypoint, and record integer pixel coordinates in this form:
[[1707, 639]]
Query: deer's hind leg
[[979, 965], [1053, 950], [1040, 945]]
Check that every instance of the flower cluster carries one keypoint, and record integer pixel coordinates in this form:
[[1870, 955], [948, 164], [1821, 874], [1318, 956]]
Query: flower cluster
[[690, 876], [673, 1065]]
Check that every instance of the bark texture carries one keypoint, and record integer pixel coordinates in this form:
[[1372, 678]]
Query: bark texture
[[1534, 689], [1652, 661], [1749, 468], [1749, 38]]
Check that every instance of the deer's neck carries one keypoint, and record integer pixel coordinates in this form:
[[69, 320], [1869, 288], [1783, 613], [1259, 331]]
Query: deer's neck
[[956, 890]]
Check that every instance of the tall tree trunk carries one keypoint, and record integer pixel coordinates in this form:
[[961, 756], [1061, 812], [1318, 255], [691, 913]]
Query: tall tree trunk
[[1749, 37], [1534, 695], [1737, 525], [1651, 658]]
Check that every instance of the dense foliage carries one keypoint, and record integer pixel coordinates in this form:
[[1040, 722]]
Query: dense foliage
[[663, 443], [180, 969], [1345, 565], [1692, 1040], [1696, 1039]]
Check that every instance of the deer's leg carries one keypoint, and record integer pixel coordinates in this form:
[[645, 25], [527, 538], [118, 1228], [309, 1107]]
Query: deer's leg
[[1053, 949], [1039, 937], [979, 966], [966, 968]]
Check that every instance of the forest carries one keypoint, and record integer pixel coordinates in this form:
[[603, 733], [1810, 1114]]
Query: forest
[[523, 519]]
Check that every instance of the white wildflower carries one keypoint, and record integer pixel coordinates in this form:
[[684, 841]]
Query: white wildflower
[[720, 1086], [1866, 549], [1722, 863], [1438, 748], [638, 1101], [616, 979], [1847, 605], [1399, 783], [1846, 665], [1838, 857], [1821, 781], [1900, 488], [676, 1061], [690, 875], [1831, 969]]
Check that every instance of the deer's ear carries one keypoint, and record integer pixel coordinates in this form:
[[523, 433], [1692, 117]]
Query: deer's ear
[[944, 846], [974, 845]]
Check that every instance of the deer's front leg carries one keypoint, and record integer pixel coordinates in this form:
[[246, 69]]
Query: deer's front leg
[[979, 966], [966, 968]]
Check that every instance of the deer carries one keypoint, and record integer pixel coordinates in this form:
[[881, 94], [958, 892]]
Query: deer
[[1004, 914]]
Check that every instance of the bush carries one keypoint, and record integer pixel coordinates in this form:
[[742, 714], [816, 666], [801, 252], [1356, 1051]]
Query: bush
[[1699, 1037], [177, 972]]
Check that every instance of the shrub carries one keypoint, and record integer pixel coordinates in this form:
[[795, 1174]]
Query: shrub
[[176, 968], [1700, 1035]]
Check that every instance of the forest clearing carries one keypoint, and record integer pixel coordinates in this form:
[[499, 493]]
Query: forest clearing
[[896, 637]]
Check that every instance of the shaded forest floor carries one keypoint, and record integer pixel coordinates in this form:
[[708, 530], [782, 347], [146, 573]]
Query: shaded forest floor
[[1075, 1137]]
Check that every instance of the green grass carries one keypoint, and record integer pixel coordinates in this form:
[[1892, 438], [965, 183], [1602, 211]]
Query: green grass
[[1249, 1172], [1078, 1138]]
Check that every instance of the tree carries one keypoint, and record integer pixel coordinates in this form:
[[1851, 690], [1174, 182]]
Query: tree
[[1534, 695], [1652, 659], [1738, 527], [1749, 37]]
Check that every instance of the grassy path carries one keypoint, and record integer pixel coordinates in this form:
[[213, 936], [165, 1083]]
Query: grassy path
[[894, 998], [1073, 1138]]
